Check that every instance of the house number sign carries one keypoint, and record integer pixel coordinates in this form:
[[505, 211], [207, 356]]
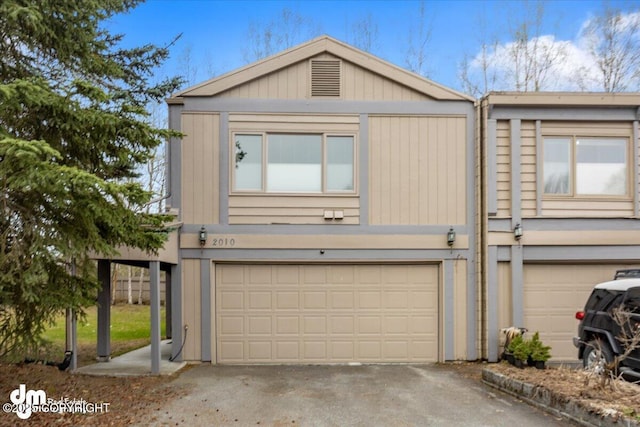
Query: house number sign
[[223, 242]]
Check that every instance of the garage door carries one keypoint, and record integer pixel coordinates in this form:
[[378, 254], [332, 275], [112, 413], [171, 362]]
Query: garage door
[[326, 313], [553, 294]]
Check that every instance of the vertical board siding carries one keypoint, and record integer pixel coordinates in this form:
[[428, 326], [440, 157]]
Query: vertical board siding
[[293, 82], [200, 158], [191, 295], [460, 309], [417, 169], [505, 318]]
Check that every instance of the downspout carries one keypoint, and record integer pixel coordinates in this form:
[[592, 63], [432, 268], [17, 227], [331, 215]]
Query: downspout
[[481, 130]]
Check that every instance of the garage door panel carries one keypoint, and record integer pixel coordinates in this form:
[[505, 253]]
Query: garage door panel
[[288, 350], [342, 325], [288, 325], [326, 313], [552, 295]]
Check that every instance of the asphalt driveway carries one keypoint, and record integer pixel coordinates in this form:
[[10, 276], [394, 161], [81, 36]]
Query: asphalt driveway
[[370, 395]]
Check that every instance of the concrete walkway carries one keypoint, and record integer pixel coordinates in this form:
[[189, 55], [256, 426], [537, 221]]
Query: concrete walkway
[[134, 363]]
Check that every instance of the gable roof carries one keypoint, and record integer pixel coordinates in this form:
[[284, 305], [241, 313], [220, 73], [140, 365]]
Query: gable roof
[[313, 48]]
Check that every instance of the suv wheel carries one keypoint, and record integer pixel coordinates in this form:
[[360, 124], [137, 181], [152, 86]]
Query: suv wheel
[[596, 354]]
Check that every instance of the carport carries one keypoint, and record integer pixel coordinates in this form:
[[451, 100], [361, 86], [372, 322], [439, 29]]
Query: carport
[[165, 260]]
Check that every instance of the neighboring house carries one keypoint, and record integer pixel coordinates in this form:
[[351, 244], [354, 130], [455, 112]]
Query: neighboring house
[[562, 168], [325, 182]]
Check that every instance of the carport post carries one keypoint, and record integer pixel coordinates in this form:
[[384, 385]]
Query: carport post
[[154, 285], [104, 311]]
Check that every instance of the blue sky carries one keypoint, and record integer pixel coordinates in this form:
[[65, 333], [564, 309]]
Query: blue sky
[[215, 32]]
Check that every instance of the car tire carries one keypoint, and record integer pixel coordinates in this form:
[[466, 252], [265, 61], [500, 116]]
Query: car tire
[[596, 354]]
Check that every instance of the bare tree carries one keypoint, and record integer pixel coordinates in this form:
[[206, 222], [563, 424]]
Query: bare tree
[[364, 34], [129, 289], [523, 64], [532, 55], [286, 30], [613, 40], [419, 38]]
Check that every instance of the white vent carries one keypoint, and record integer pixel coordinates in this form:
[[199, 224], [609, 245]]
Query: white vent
[[325, 78]]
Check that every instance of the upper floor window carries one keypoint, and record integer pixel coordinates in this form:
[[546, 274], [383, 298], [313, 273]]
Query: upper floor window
[[293, 163], [585, 166]]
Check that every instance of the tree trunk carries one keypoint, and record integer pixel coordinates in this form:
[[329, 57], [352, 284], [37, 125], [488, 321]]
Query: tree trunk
[[140, 283], [129, 277], [114, 283]]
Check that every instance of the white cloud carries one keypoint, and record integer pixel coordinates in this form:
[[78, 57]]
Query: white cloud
[[569, 64]]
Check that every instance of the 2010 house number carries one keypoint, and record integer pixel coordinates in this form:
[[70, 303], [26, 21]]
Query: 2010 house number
[[223, 242]]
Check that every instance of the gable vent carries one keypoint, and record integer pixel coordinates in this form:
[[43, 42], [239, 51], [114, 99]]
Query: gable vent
[[325, 78]]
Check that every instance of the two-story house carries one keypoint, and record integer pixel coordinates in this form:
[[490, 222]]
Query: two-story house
[[328, 208], [334, 208], [560, 207]]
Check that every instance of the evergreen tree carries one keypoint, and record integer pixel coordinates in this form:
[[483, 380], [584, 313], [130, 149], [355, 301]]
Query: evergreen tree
[[73, 129]]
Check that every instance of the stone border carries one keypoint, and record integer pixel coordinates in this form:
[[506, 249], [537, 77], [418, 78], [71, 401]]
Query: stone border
[[554, 403]]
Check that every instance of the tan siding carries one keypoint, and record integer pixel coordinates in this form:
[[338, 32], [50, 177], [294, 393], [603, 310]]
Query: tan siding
[[503, 159], [460, 309], [417, 170], [200, 157], [528, 168], [191, 292], [292, 82], [269, 209], [587, 208], [505, 319]]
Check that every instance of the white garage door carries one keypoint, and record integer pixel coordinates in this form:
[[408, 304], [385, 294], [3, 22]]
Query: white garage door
[[326, 313], [553, 294]]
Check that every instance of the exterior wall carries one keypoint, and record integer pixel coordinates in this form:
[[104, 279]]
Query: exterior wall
[[569, 243], [417, 170], [414, 179], [191, 312], [291, 82], [200, 155]]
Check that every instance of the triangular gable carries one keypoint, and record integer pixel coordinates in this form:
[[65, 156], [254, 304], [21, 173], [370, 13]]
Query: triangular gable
[[311, 49]]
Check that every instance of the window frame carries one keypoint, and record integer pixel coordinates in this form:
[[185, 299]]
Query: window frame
[[573, 176], [265, 163]]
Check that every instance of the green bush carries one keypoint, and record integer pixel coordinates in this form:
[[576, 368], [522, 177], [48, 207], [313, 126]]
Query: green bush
[[539, 351], [519, 347]]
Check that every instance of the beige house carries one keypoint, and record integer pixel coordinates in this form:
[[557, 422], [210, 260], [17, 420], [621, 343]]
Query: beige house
[[334, 208], [561, 170], [328, 211]]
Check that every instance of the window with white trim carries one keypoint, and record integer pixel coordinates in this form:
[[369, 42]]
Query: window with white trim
[[578, 166], [293, 163]]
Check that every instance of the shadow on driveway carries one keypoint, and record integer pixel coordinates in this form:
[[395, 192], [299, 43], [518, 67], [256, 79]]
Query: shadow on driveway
[[368, 395]]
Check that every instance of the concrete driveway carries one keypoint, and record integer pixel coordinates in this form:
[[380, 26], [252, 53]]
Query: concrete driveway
[[371, 395]]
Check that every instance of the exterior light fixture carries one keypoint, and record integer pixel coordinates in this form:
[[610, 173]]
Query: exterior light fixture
[[202, 236], [451, 236], [517, 231]]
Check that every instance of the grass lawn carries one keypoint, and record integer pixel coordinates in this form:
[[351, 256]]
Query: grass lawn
[[130, 329]]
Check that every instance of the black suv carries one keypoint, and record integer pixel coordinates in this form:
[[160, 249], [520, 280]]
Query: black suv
[[597, 340]]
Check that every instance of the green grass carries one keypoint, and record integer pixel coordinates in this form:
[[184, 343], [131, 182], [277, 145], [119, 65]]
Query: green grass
[[130, 329]]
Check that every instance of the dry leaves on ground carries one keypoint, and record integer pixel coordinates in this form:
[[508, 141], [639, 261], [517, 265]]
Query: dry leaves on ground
[[129, 398], [581, 386]]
